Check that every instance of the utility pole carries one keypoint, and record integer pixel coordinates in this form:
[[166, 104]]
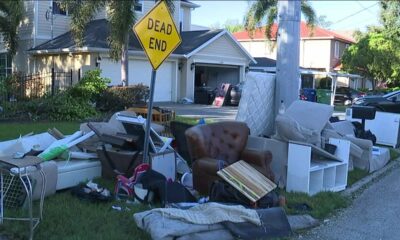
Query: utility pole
[[287, 65]]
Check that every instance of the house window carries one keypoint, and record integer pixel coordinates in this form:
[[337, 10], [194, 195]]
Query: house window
[[336, 49], [5, 65], [138, 5], [57, 9]]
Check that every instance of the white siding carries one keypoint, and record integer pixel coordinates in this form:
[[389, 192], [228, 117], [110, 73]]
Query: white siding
[[187, 14], [26, 26], [224, 51], [148, 5], [60, 22], [140, 72], [316, 54], [260, 48]]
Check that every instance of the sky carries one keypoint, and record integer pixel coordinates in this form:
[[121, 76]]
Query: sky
[[344, 15]]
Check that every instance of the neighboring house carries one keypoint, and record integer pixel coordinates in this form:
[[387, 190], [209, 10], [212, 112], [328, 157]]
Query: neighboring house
[[320, 51], [314, 78], [206, 57]]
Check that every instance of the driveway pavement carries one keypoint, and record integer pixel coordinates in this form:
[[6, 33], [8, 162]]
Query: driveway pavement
[[198, 110], [209, 111]]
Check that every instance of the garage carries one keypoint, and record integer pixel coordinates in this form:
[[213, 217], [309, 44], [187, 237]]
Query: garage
[[140, 72], [208, 77]]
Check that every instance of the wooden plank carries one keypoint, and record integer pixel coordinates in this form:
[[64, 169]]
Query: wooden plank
[[247, 180]]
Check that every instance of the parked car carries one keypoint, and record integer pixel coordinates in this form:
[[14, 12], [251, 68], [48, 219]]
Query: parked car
[[346, 95], [389, 102]]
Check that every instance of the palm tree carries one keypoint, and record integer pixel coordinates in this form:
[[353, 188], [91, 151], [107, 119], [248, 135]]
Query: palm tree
[[11, 14], [121, 16], [266, 12]]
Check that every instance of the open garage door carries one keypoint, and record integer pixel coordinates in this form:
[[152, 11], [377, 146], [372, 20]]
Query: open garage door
[[209, 77], [140, 72]]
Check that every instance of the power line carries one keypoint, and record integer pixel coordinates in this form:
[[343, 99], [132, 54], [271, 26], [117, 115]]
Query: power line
[[358, 2], [352, 15]]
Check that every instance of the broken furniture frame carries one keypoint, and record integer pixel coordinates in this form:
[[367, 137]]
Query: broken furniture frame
[[119, 139], [21, 169], [157, 143]]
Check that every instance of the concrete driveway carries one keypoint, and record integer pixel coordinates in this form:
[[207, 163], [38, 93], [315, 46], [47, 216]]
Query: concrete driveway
[[209, 111], [199, 111]]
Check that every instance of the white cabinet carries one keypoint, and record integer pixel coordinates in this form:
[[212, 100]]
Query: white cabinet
[[312, 170], [385, 126]]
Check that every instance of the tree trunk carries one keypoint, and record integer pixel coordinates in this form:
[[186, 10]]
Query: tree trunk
[[125, 62]]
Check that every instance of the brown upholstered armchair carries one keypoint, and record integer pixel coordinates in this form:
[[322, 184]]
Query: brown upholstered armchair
[[222, 141]]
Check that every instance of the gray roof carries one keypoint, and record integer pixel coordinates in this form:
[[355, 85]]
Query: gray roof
[[263, 62], [97, 31]]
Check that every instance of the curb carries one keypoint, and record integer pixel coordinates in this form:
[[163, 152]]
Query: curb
[[395, 163]]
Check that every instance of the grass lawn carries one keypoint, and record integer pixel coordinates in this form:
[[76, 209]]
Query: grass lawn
[[67, 217], [13, 130], [191, 120]]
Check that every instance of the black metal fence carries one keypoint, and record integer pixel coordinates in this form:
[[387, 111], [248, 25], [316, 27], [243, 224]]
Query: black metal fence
[[24, 87]]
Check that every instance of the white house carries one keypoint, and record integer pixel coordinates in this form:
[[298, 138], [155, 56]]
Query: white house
[[204, 58]]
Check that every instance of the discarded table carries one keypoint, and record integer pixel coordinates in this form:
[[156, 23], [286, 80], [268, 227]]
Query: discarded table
[[12, 170]]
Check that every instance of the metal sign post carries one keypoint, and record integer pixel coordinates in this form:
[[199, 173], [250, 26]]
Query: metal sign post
[[149, 116], [158, 35]]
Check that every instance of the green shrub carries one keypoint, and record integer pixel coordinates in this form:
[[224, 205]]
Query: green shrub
[[90, 86], [11, 85], [61, 106], [120, 98], [65, 107]]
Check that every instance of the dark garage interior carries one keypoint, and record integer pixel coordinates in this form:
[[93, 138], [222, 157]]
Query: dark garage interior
[[209, 77]]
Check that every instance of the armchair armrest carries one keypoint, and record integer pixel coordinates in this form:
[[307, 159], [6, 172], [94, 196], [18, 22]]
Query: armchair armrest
[[260, 159], [204, 174], [207, 165]]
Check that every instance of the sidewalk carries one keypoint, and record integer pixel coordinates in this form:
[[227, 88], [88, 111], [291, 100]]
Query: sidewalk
[[374, 214]]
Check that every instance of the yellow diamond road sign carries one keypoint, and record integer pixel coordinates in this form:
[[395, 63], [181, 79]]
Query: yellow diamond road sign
[[157, 34]]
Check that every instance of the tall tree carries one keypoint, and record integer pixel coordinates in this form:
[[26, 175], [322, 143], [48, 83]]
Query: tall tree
[[11, 14], [390, 17], [264, 12], [233, 25], [121, 16], [374, 56]]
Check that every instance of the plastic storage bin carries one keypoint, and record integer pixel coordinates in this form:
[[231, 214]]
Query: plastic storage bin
[[309, 94], [324, 96]]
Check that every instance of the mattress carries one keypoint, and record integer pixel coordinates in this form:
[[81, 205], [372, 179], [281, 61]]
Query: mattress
[[257, 103], [73, 172]]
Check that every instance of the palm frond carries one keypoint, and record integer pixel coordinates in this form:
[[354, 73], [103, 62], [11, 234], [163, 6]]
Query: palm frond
[[82, 12], [271, 17], [11, 14], [121, 19], [266, 11], [309, 15], [256, 14]]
